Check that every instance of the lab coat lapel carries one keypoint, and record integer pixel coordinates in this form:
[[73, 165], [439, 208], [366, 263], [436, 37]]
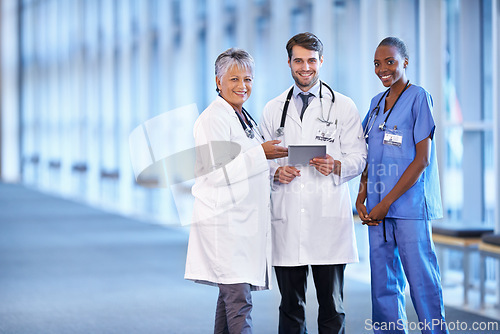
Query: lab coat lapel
[[224, 105], [293, 114]]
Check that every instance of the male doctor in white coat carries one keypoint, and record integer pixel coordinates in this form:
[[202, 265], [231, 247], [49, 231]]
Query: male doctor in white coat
[[311, 210]]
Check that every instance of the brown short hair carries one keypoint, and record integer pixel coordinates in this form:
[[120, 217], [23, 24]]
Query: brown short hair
[[307, 41]]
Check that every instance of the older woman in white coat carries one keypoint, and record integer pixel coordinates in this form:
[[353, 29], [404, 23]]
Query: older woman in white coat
[[229, 242]]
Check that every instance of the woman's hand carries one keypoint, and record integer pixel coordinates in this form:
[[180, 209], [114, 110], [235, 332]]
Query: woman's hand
[[364, 216], [273, 151], [326, 165], [286, 174], [362, 213], [380, 210]]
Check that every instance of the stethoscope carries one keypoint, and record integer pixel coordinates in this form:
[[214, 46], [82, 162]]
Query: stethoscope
[[376, 110], [281, 130], [252, 125]]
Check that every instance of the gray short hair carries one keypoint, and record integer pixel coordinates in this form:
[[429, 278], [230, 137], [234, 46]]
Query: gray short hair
[[233, 57]]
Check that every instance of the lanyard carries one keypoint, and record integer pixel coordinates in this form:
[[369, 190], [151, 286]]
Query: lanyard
[[382, 126]]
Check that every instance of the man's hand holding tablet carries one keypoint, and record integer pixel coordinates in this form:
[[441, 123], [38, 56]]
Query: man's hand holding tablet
[[301, 155]]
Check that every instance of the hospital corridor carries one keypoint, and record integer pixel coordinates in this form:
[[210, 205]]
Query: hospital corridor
[[100, 104]]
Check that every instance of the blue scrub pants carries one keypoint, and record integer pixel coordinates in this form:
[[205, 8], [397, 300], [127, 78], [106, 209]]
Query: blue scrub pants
[[406, 247]]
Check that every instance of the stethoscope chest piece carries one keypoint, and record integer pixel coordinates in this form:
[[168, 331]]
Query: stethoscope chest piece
[[280, 132], [249, 133], [252, 125]]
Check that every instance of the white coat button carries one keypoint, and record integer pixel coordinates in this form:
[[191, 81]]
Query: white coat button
[[302, 210]]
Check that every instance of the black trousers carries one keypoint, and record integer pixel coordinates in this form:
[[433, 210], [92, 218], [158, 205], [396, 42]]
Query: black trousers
[[329, 283]]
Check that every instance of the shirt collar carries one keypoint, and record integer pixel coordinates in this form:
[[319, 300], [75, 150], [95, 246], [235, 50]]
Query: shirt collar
[[314, 90]]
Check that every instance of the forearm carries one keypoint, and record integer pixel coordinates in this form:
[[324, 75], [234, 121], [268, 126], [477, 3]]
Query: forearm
[[352, 166], [408, 179], [362, 192], [412, 173], [240, 169], [352, 147]]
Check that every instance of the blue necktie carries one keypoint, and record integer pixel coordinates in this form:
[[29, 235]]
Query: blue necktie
[[305, 103]]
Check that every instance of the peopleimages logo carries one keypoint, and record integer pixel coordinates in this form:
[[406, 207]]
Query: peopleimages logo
[[435, 324]]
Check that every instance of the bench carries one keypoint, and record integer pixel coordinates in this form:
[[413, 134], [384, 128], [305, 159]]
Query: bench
[[462, 238], [489, 246]]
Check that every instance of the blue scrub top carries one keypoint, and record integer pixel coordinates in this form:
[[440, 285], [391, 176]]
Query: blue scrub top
[[412, 116]]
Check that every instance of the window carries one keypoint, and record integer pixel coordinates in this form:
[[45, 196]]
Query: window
[[468, 177], [97, 69]]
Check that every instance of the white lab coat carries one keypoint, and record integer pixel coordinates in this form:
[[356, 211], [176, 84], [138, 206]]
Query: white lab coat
[[230, 237], [311, 217]]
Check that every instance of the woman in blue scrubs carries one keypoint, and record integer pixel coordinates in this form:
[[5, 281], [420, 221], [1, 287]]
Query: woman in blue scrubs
[[401, 188]]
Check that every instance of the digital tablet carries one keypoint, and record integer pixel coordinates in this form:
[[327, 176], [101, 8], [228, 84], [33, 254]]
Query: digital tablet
[[300, 155]]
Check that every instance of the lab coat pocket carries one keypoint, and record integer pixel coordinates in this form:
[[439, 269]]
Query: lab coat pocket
[[204, 194], [332, 198], [244, 221], [278, 204], [407, 148]]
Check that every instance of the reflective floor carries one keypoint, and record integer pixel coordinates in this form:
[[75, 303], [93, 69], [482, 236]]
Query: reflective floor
[[69, 268]]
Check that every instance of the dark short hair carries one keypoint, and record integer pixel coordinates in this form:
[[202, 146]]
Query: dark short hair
[[398, 44], [307, 41]]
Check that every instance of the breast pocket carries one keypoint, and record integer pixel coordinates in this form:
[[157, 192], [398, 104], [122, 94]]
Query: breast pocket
[[404, 151]]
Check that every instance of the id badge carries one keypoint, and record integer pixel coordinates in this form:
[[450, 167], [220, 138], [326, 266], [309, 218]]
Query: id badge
[[393, 137], [327, 134]]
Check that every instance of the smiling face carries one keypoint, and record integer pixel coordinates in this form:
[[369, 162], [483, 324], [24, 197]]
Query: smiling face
[[305, 65], [235, 86], [390, 65]]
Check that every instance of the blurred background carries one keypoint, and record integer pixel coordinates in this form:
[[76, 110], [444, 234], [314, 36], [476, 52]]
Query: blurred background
[[77, 76]]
